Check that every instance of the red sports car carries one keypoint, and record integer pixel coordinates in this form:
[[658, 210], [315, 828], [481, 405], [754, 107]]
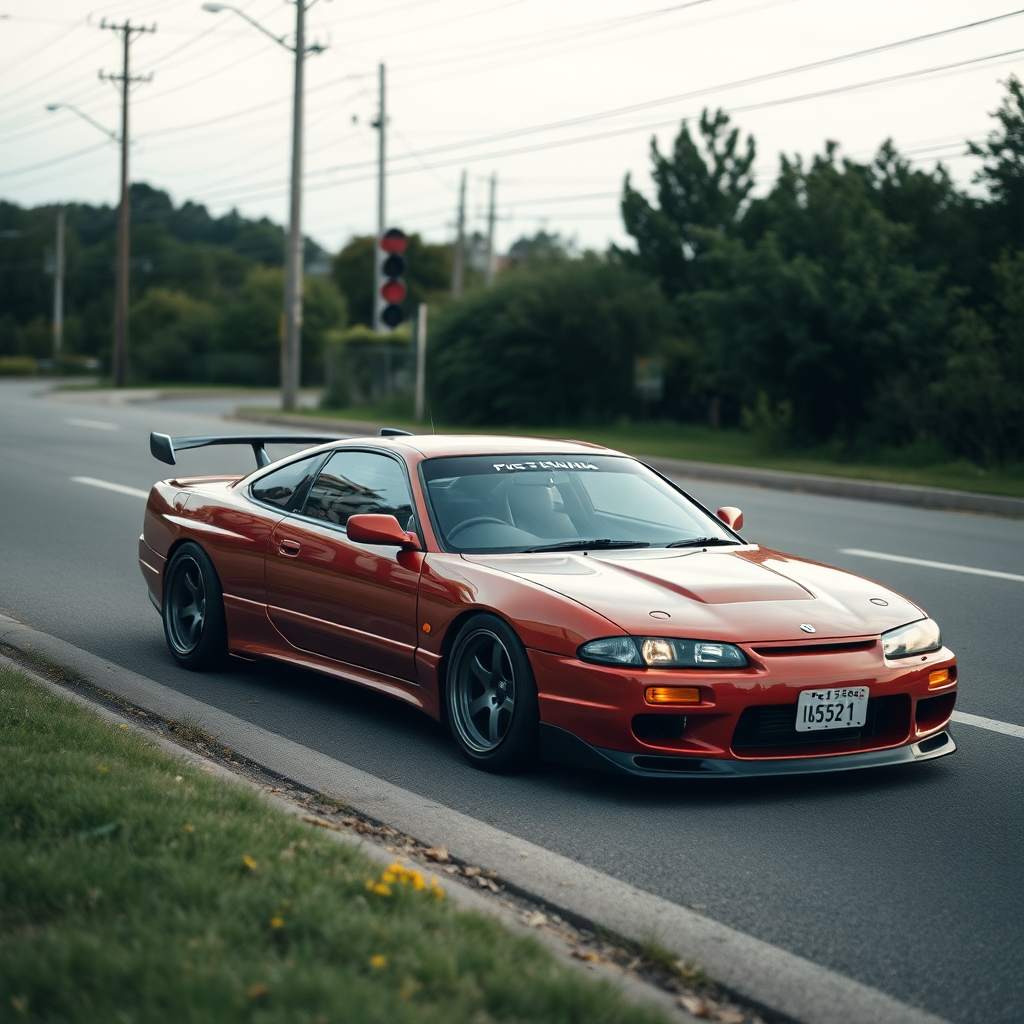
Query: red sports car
[[544, 598]]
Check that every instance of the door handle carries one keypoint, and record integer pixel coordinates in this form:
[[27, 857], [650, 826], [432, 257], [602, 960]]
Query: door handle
[[289, 547]]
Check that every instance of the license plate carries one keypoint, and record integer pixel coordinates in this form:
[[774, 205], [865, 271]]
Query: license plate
[[844, 707]]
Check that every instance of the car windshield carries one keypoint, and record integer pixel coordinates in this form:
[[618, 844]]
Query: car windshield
[[513, 503]]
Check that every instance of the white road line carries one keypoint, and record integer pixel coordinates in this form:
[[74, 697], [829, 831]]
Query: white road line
[[94, 424], [108, 486], [948, 566], [992, 724]]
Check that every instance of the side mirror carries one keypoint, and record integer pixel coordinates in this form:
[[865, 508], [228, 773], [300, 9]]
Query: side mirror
[[373, 528], [732, 517]]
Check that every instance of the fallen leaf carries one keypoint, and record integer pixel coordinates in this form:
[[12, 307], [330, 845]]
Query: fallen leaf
[[590, 956], [122, 726], [471, 872], [320, 821], [534, 919], [438, 853], [523, 853], [693, 1005]]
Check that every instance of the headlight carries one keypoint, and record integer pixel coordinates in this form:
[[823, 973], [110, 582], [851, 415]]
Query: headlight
[[661, 652], [916, 638]]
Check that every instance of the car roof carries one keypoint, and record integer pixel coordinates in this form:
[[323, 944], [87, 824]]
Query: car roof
[[435, 445]]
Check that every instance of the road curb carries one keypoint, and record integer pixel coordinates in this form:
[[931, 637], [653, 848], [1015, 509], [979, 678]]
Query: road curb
[[914, 495], [760, 973]]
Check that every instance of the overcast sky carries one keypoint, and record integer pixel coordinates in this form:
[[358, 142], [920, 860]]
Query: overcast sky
[[537, 91]]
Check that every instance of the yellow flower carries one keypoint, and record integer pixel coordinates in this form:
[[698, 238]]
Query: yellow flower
[[122, 726], [189, 828], [388, 876], [277, 922], [250, 863], [378, 960], [381, 889]]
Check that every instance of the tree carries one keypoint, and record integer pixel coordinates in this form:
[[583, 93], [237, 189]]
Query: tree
[[549, 344], [980, 399], [1003, 172], [816, 304], [698, 187]]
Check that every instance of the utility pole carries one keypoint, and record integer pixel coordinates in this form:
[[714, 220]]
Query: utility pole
[[459, 263], [421, 360], [58, 291], [378, 273], [489, 270], [291, 353], [120, 368], [294, 264]]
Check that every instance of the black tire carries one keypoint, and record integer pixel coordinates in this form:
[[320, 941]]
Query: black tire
[[193, 610], [491, 696]]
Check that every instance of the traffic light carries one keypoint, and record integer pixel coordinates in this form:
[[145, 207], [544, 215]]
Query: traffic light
[[392, 290]]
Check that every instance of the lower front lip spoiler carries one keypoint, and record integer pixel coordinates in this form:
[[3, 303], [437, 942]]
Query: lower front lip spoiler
[[557, 744]]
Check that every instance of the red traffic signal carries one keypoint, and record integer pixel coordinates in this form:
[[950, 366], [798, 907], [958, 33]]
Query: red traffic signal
[[393, 290], [394, 240]]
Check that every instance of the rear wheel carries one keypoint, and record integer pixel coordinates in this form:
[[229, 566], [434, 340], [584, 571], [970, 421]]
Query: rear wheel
[[193, 610], [491, 696]]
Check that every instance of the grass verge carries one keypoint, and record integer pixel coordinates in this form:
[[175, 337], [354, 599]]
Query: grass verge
[[727, 447], [136, 888]]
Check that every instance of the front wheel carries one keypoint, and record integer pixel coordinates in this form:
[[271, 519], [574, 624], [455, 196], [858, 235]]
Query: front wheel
[[193, 610], [491, 696]]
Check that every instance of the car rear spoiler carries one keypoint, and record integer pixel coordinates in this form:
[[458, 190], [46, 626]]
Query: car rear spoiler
[[164, 447]]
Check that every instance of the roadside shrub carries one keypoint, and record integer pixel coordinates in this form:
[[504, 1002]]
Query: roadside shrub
[[17, 366], [549, 344]]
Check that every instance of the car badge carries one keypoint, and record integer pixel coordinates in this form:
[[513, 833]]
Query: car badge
[[807, 627]]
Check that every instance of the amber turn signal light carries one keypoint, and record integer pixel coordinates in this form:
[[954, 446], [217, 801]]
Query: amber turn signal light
[[938, 678], [672, 695]]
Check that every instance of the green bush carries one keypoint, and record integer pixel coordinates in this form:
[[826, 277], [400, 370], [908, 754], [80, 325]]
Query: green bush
[[17, 366], [554, 343]]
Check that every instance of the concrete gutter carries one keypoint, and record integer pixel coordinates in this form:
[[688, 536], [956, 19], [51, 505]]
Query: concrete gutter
[[940, 498], [765, 975]]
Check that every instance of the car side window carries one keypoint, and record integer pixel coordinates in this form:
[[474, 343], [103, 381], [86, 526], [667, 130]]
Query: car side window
[[353, 483], [286, 487]]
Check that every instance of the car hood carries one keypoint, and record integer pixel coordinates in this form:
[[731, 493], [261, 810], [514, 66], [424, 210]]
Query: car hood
[[749, 594]]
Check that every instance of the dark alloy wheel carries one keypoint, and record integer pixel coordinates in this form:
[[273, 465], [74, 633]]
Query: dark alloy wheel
[[491, 697], [193, 610]]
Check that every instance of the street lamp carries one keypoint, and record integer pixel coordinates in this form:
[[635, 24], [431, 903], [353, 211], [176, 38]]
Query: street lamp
[[291, 357], [85, 117]]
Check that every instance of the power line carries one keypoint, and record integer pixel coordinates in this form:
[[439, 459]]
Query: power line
[[612, 133]]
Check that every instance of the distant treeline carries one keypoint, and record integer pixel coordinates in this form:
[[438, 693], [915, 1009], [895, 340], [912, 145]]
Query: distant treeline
[[853, 307], [205, 291], [862, 307]]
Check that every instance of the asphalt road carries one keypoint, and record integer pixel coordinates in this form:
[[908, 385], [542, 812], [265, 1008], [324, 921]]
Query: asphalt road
[[906, 879]]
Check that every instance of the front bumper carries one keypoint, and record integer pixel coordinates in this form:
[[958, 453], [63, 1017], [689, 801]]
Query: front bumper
[[566, 748], [742, 723]]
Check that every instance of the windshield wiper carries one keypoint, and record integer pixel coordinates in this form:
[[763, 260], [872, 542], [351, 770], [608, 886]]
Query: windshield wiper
[[603, 542], [701, 542]]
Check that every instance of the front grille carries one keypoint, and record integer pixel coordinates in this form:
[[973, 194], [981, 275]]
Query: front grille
[[792, 650], [774, 725]]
